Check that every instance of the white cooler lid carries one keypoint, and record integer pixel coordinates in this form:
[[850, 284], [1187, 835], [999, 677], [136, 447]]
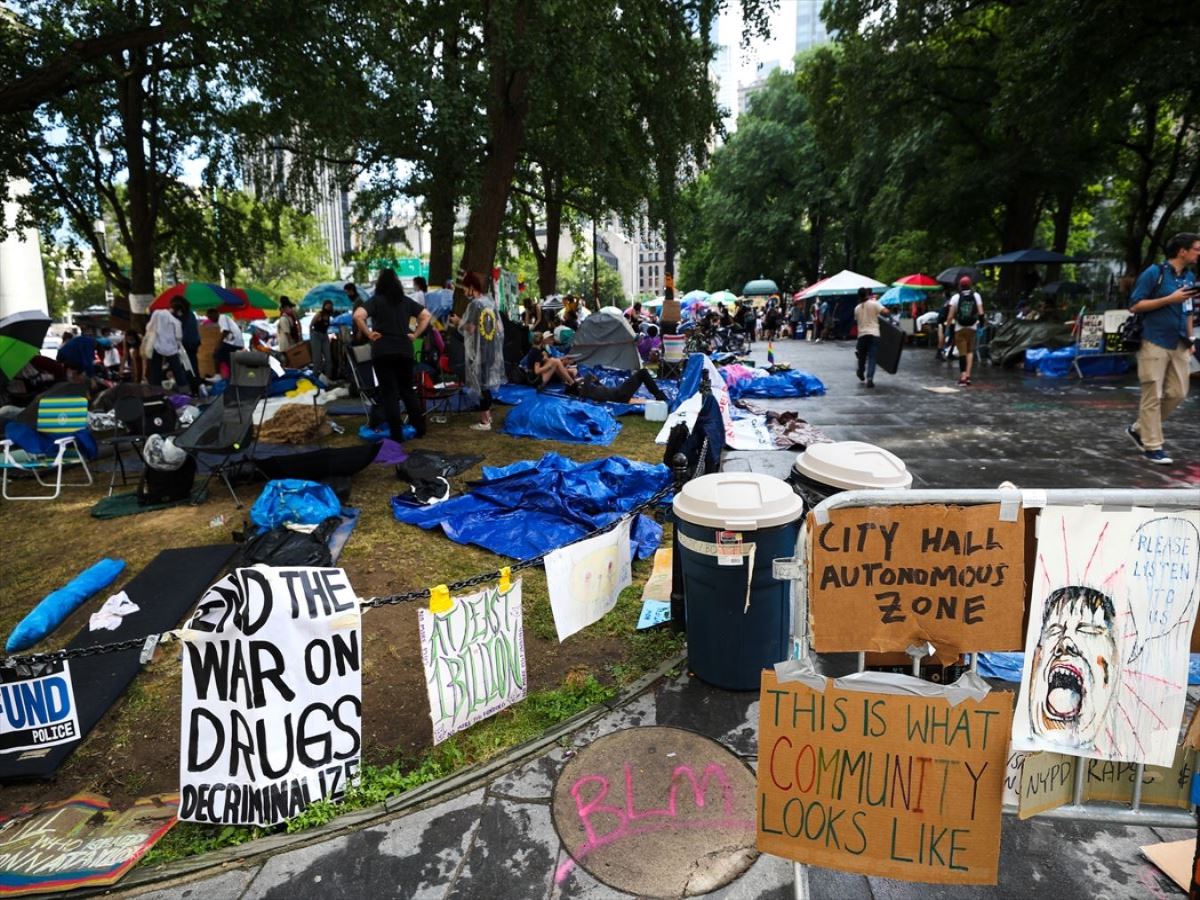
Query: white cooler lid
[[853, 465], [738, 501]]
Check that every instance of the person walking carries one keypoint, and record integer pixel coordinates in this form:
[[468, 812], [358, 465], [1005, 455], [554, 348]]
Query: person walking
[[483, 330], [966, 312], [167, 344], [318, 332], [190, 343], [866, 316], [1164, 295], [391, 312]]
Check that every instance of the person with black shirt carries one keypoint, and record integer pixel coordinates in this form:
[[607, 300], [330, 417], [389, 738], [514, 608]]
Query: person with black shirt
[[318, 331], [542, 367], [591, 389], [390, 312]]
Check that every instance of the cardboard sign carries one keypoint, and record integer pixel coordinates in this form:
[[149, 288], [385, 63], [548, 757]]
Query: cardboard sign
[[1106, 657], [894, 785], [37, 711], [272, 696], [80, 842], [585, 579], [474, 657], [884, 578], [1091, 333], [1047, 781]]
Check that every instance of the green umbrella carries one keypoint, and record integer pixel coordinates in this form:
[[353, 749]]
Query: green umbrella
[[721, 297], [21, 336]]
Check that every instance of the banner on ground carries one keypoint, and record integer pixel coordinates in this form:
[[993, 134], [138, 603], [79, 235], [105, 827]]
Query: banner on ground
[[1110, 621], [585, 579], [745, 432], [474, 657], [895, 785], [37, 710], [272, 696], [80, 842], [884, 578]]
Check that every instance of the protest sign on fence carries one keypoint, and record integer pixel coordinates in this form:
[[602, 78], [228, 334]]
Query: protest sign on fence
[[80, 842], [895, 785], [585, 579], [38, 710], [1106, 656], [474, 656], [884, 578], [272, 696]]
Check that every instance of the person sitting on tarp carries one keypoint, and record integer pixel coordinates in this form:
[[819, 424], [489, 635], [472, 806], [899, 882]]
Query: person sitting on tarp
[[542, 367], [590, 388]]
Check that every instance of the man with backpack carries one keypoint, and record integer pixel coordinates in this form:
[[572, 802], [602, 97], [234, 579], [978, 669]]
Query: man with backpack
[[966, 312], [1164, 295]]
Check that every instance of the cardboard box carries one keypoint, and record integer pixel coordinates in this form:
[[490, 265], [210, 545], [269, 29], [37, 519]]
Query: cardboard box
[[670, 311], [298, 355]]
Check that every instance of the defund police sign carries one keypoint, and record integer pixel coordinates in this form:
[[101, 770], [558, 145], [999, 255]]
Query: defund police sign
[[38, 711]]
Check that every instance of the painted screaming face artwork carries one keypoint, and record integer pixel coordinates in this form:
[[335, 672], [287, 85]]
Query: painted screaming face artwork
[[1075, 667]]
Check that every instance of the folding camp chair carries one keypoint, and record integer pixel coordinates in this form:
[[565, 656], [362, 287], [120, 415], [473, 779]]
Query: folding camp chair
[[59, 419], [362, 375], [226, 426], [437, 391]]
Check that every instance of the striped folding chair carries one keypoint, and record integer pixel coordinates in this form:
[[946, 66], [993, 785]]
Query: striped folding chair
[[59, 419]]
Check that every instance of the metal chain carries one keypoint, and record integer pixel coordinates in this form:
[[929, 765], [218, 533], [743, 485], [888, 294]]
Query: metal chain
[[38, 659]]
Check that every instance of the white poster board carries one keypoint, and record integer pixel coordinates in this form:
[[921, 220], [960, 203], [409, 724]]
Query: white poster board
[[474, 658], [272, 696], [38, 710], [1110, 622], [585, 579], [744, 432]]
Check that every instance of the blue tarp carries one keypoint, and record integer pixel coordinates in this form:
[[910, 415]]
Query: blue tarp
[[1007, 666], [1050, 363], [783, 384], [294, 500], [529, 508], [559, 418], [59, 604]]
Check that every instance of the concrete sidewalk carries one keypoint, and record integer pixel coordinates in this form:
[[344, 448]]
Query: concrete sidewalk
[[490, 833]]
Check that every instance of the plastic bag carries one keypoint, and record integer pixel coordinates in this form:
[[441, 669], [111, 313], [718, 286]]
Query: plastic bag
[[293, 500]]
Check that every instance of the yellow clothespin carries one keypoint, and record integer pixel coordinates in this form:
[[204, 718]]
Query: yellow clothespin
[[439, 599], [505, 580]]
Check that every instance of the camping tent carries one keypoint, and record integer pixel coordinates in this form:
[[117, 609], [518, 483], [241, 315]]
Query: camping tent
[[606, 341]]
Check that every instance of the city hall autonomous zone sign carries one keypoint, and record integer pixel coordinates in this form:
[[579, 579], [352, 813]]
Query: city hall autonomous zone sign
[[884, 578], [656, 812], [272, 696], [895, 785]]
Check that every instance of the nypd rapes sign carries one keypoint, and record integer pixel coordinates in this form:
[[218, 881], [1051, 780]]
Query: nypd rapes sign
[[37, 711]]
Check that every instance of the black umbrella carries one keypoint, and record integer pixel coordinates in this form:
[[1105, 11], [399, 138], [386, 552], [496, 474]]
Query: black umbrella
[[21, 336], [1034, 256], [1065, 287], [954, 274]]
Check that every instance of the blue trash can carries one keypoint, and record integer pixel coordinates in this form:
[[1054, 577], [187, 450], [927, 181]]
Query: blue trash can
[[732, 525]]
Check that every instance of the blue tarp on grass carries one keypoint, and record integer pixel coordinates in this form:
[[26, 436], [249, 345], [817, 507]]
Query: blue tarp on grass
[[529, 508], [548, 417]]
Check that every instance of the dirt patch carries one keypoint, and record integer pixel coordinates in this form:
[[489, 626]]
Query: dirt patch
[[134, 749]]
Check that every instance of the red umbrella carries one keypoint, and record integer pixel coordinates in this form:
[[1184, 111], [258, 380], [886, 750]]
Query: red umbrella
[[917, 280]]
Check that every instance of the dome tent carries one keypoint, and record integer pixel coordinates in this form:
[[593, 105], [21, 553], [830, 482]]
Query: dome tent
[[606, 341]]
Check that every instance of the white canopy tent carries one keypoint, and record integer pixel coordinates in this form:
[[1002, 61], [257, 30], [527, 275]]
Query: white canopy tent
[[844, 283]]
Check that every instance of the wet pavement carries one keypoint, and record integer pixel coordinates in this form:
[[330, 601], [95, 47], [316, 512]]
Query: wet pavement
[[491, 832]]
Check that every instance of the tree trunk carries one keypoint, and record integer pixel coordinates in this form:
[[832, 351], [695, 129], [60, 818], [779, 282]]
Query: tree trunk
[[547, 260], [1017, 232], [131, 102], [507, 115], [1137, 218], [1062, 229], [441, 231]]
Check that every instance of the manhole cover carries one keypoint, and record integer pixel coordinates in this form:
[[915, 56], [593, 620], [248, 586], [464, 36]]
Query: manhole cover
[[658, 812]]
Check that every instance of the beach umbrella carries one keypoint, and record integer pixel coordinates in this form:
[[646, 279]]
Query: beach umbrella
[[722, 297], [899, 295], [760, 287], [845, 283], [693, 295], [952, 275], [440, 303], [21, 336], [329, 290], [259, 300], [918, 281], [200, 295]]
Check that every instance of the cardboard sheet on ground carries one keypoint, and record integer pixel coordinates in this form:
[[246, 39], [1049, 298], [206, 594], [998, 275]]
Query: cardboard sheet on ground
[[745, 433], [899, 786], [1106, 656], [80, 842], [585, 579], [272, 696], [1175, 858], [656, 593], [884, 578], [474, 658]]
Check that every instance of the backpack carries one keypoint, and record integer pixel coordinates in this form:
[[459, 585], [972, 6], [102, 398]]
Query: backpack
[[964, 313]]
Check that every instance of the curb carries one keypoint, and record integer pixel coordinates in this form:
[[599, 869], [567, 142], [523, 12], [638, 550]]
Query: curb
[[193, 867]]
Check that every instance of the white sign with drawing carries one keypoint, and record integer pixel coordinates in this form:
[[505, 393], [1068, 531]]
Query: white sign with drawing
[[1106, 654], [585, 579]]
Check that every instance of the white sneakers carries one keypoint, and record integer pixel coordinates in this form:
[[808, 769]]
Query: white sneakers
[[482, 426]]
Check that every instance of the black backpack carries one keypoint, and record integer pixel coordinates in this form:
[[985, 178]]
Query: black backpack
[[166, 486], [964, 314]]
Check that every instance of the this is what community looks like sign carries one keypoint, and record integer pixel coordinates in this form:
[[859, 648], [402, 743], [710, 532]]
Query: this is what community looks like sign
[[474, 656], [897, 785], [272, 696]]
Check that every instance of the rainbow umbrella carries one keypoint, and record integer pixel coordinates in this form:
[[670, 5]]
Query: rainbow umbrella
[[255, 305], [918, 281], [200, 295]]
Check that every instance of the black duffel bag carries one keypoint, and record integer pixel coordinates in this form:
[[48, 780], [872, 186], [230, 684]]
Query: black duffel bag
[[166, 485]]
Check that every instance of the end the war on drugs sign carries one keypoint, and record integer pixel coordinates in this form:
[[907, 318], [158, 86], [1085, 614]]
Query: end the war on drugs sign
[[272, 696]]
